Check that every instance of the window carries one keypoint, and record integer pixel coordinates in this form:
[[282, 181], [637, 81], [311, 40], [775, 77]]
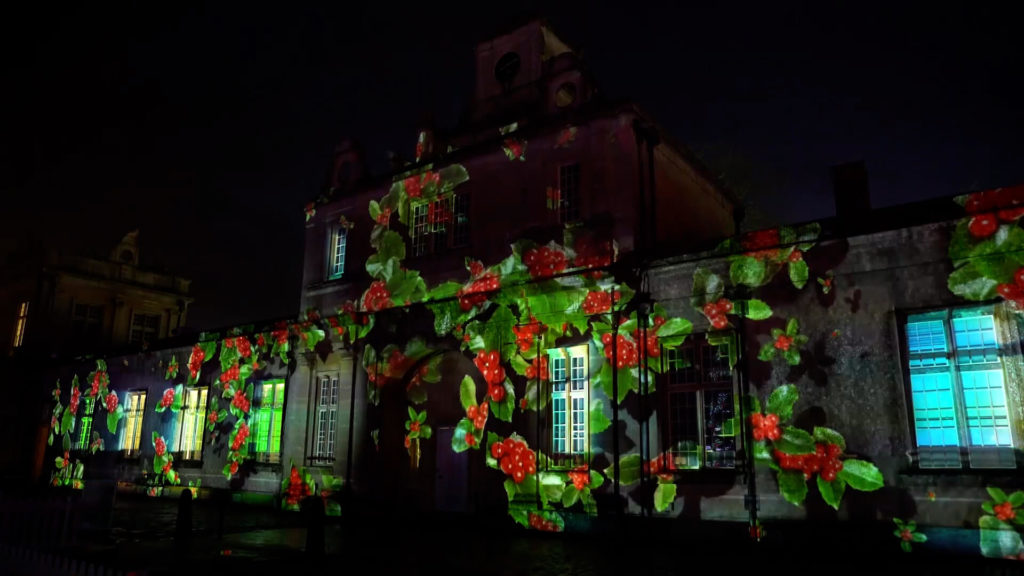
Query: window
[[439, 225], [85, 423], [569, 197], [193, 421], [20, 322], [145, 328], [570, 391], [268, 415], [957, 391], [131, 436], [86, 322], [326, 418], [336, 252], [699, 406]]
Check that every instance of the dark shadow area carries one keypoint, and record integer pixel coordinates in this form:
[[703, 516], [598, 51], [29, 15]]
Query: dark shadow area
[[814, 364]]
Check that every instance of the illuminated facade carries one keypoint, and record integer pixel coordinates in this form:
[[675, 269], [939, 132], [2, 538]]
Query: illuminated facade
[[551, 316]]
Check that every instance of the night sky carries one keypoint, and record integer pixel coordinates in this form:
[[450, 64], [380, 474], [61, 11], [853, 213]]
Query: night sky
[[209, 129]]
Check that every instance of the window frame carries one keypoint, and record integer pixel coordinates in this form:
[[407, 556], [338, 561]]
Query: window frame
[[83, 327], [198, 427], [568, 456], [569, 209], [20, 324], [428, 238], [269, 456], [140, 412], [82, 444], [323, 448], [337, 232], [1010, 391], [134, 326], [667, 388]]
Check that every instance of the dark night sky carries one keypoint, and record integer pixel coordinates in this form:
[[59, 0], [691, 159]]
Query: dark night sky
[[208, 129]]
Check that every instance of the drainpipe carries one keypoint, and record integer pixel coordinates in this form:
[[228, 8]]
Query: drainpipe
[[750, 500], [351, 426], [615, 413]]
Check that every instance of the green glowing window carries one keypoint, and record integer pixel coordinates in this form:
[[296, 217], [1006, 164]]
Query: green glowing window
[[699, 406], [145, 328], [20, 323], [569, 401], [131, 434], [440, 225], [193, 422], [326, 418], [267, 419], [569, 193], [336, 252], [957, 389], [84, 424]]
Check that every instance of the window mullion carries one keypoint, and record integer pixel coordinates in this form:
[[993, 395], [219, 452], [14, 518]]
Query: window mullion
[[958, 391]]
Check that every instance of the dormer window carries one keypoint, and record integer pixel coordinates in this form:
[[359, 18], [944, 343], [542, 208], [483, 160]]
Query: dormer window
[[506, 70]]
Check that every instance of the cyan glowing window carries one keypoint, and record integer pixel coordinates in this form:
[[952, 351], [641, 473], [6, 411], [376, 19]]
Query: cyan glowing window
[[85, 423], [326, 418], [268, 416], [957, 389], [569, 400], [339, 242], [193, 422], [20, 323], [700, 406], [134, 409]]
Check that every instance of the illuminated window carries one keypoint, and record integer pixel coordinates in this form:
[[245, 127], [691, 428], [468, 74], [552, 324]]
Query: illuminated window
[[699, 406], [145, 328], [440, 225], [20, 322], [570, 392], [326, 418], [84, 424], [193, 422], [131, 435], [569, 197], [87, 323], [336, 252], [267, 418], [957, 389]]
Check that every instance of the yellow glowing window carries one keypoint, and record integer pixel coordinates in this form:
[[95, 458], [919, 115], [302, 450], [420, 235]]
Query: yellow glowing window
[[134, 409], [193, 422], [20, 323]]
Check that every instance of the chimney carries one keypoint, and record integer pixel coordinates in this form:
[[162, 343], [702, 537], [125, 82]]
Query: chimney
[[853, 200]]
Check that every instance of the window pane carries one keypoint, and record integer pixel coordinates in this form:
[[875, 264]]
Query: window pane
[[339, 242], [719, 429], [683, 430]]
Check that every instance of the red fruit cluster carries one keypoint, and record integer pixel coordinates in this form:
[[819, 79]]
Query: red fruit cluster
[[825, 461], [384, 217], [478, 414], [212, 418], [526, 333], [660, 465], [628, 356], [398, 363], [515, 458], [544, 261], [166, 468], [906, 535], [580, 477], [160, 445], [515, 147], [97, 381], [489, 364], [765, 426], [716, 311], [597, 302], [111, 402], [75, 398], [244, 346], [196, 360], [539, 366], [240, 401], [377, 297], [297, 488], [374, 377], [261, 340], [796, 255], [1005, 511], [783, 342], [470, 440], [653, 346], [591, 254], [414, 426], [168, 398], [990, 207], [476, 291], [537, 522], [1014, 292], [762, 244], [234, 468], [231, 374], [240, 437]]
